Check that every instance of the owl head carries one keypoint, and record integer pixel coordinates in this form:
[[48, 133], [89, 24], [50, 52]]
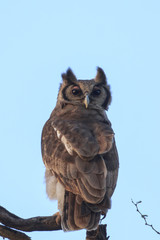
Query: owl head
[[88, 93]]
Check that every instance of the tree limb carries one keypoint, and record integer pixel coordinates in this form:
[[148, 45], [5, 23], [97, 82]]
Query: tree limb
[[31, 224], [11, 234], [50, 223]]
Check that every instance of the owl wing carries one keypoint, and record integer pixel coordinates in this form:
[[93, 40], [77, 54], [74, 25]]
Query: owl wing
[[87, 139], [70, 151], [112, 163], [111, 160]]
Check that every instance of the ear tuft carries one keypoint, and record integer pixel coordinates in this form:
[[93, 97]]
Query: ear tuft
[[69, 76], [100, 77]]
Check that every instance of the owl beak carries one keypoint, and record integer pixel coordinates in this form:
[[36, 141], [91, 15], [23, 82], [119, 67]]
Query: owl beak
[[86, 101]]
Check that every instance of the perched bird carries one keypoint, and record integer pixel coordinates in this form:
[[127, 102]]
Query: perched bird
[[79, 152]]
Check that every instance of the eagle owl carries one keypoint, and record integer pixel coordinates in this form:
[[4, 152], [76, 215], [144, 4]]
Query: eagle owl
[[79, 152]]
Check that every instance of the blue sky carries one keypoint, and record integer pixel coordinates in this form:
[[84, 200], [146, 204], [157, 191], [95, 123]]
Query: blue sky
[[40, 40]]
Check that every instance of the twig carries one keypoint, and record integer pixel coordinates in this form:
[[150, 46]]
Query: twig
[[144, 216]]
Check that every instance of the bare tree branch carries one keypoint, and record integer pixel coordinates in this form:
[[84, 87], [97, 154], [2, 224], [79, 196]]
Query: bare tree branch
[[31, 224], [11, 234], [144, 216], [49, 223]]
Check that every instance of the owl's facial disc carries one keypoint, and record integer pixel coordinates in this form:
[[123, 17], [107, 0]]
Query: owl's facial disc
[[90, 94], [86, 97]]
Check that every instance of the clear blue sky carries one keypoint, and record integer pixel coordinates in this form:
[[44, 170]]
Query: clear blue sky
[[38, 41]]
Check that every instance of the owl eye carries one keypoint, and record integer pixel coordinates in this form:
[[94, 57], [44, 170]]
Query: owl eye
[[76, 91], [96, 92]]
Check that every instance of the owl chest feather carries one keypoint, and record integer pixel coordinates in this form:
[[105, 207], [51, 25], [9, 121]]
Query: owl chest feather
[[80, 113]]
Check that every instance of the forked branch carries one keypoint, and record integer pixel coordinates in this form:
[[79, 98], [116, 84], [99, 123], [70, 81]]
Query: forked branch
[[49, 223]]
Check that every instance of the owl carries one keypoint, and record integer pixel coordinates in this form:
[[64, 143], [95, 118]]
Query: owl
[[79, 152]]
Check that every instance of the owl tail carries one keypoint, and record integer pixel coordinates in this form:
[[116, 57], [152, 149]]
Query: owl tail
[[77, 215]]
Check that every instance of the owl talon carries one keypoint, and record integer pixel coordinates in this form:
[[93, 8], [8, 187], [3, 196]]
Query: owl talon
[[58, 218]]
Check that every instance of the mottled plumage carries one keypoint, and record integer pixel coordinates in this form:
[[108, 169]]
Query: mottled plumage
[[79, 152]]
